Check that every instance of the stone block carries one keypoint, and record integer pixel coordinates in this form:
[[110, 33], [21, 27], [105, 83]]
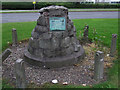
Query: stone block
[[113, 45], [45, 44], [57, 12], [20, 74], [42, 21], [65, 34], [70, 50], [69, 27], [54, 12], [99, 66], [67, 51], [73, 40], [46, 35], [57, 34], [39, 53], [6, 53], [65, 42], [14, 37], [30, 49], [32, 32], [72, 33], [55, 43], [71, 23], [33, 42], [77, 47], [35, 35], [49, 53], [41, 29], [30, 41], [45, 14]]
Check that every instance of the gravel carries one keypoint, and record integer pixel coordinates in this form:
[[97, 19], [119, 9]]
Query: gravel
[[78, 74]]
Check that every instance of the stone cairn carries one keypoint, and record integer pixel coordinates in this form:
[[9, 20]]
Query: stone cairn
[[53, 48]]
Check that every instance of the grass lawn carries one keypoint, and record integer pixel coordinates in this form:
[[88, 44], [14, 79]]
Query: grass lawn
[[104, 28]]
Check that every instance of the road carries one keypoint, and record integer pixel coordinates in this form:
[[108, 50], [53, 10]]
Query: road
[[26, 17]]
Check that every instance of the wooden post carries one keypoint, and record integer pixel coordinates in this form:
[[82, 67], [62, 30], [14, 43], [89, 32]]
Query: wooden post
[[14, 37], [20, 74], [99, 66], [6, 53], [113, 45]]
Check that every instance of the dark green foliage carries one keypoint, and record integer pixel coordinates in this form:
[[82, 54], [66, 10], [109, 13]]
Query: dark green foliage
[[29, 5], [17, 5]]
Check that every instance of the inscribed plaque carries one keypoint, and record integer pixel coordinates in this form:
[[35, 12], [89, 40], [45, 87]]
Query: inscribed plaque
[[57, 23]]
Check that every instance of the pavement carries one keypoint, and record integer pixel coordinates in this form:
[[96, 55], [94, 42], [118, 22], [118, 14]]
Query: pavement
[[26, 17]]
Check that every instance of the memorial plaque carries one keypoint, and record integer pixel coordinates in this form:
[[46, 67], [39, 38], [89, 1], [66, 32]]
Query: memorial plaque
[[57, 23]]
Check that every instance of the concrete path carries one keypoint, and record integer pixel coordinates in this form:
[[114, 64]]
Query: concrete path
[[26, 17]]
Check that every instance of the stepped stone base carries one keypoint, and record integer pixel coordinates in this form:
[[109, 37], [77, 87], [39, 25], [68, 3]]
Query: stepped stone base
[[55, 62]]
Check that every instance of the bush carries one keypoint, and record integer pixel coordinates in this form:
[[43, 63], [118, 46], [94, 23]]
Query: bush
[[29, 5]]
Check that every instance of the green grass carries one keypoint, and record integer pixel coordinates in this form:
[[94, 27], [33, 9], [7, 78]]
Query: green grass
[[5, 84], [104, 27], [24, 30]]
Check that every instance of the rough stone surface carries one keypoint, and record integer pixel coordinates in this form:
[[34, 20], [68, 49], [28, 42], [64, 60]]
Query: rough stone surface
[[113, 45], [99, 65], [14, 37], [42, 21], [47, 44], [6, 53], [20, 74]]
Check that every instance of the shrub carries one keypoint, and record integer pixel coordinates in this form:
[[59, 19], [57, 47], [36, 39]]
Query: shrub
[[29, 5]]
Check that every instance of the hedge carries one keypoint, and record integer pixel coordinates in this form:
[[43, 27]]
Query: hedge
[[29, 5]]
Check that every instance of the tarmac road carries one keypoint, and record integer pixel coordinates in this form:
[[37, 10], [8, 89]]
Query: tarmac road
[[26, 17]]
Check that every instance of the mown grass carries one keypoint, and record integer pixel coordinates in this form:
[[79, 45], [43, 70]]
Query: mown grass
[[24, 30], [104, 27]]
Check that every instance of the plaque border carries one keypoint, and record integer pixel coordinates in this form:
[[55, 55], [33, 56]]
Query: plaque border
[[57, 16]]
